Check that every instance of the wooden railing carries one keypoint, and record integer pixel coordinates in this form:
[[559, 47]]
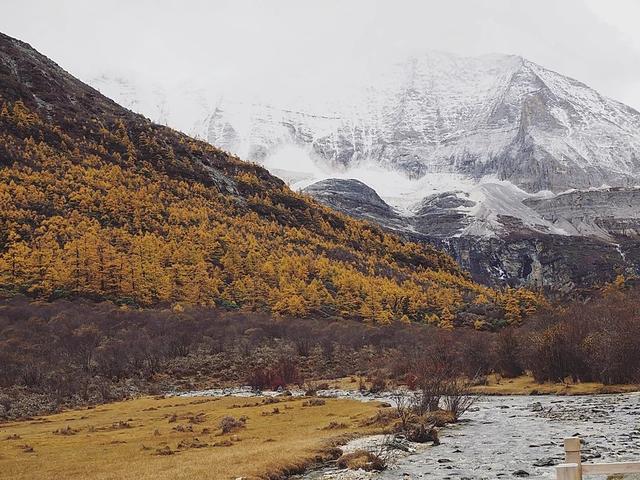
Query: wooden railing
[[574, 469]]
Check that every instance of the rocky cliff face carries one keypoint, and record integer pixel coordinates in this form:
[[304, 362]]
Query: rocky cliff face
[[603, 243], [553, 262], [357, 199], [606, 213]]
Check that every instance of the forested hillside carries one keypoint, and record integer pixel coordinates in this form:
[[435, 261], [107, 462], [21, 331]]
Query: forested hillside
[[98, 202]]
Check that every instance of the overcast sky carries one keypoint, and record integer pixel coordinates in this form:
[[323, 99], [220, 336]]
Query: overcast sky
[[251, 44]]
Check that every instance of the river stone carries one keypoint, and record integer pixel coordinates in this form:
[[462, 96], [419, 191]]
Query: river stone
[[400, 444], [536, 407]]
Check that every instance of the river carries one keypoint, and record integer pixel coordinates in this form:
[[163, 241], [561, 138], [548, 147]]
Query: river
[[508, 434], [522, 434]]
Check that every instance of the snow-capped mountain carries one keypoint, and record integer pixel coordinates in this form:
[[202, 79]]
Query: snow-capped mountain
[[456, 147], [184, 106], [437, 118], [492, 115]]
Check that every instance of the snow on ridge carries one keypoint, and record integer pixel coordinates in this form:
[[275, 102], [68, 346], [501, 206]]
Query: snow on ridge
[[437, 109], [496, 128], [492, 198]]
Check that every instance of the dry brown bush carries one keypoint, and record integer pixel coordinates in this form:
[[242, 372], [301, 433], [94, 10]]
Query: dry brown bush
[[229, 424], [361, 460]]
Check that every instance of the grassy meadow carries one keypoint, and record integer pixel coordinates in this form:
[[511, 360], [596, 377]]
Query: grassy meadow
[[180, 438]]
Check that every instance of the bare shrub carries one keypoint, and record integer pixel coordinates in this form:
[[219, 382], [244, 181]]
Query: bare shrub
[[508, 353], [311, 387], [422, 430], [259, 379], [458, 398], [404, 402], [362, 385], [229, 424], [378, 383], [303, 339], [284, 372], [431, 384]]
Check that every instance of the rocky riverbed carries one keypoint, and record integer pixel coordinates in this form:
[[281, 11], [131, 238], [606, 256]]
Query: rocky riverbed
[[502, 437], [516, 437]]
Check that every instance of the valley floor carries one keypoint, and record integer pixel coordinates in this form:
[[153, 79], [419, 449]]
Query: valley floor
[[183, 438], [179, 438]]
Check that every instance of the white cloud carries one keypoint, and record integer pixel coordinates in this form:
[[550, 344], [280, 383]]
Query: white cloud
[[304, 47]]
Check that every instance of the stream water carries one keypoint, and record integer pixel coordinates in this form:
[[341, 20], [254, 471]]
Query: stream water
[[519, 437]]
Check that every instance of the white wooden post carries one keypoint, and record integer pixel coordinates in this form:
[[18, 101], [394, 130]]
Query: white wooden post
[[573, 468], [572, 447], [568, 471]]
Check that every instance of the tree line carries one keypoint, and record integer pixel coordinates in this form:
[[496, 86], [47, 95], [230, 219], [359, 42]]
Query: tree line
[[77, 352], [93, 213]]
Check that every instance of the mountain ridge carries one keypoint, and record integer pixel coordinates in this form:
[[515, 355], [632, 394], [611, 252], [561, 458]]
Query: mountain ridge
[[98, 202], [481, 117], [487, 142]]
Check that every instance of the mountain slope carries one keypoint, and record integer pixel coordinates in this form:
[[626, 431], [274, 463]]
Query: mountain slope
[[517, 170], [97, 201]]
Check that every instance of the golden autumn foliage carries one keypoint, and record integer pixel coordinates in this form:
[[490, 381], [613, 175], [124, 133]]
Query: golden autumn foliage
[[619, 284], [143, 215]]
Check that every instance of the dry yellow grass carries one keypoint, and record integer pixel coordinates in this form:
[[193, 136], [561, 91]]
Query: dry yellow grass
[[526, 385], [522, 385], [121, 440], [351, 383]]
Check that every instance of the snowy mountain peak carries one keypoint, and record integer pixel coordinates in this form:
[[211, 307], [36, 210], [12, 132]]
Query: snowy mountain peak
[[493, 127], [498, 115]]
